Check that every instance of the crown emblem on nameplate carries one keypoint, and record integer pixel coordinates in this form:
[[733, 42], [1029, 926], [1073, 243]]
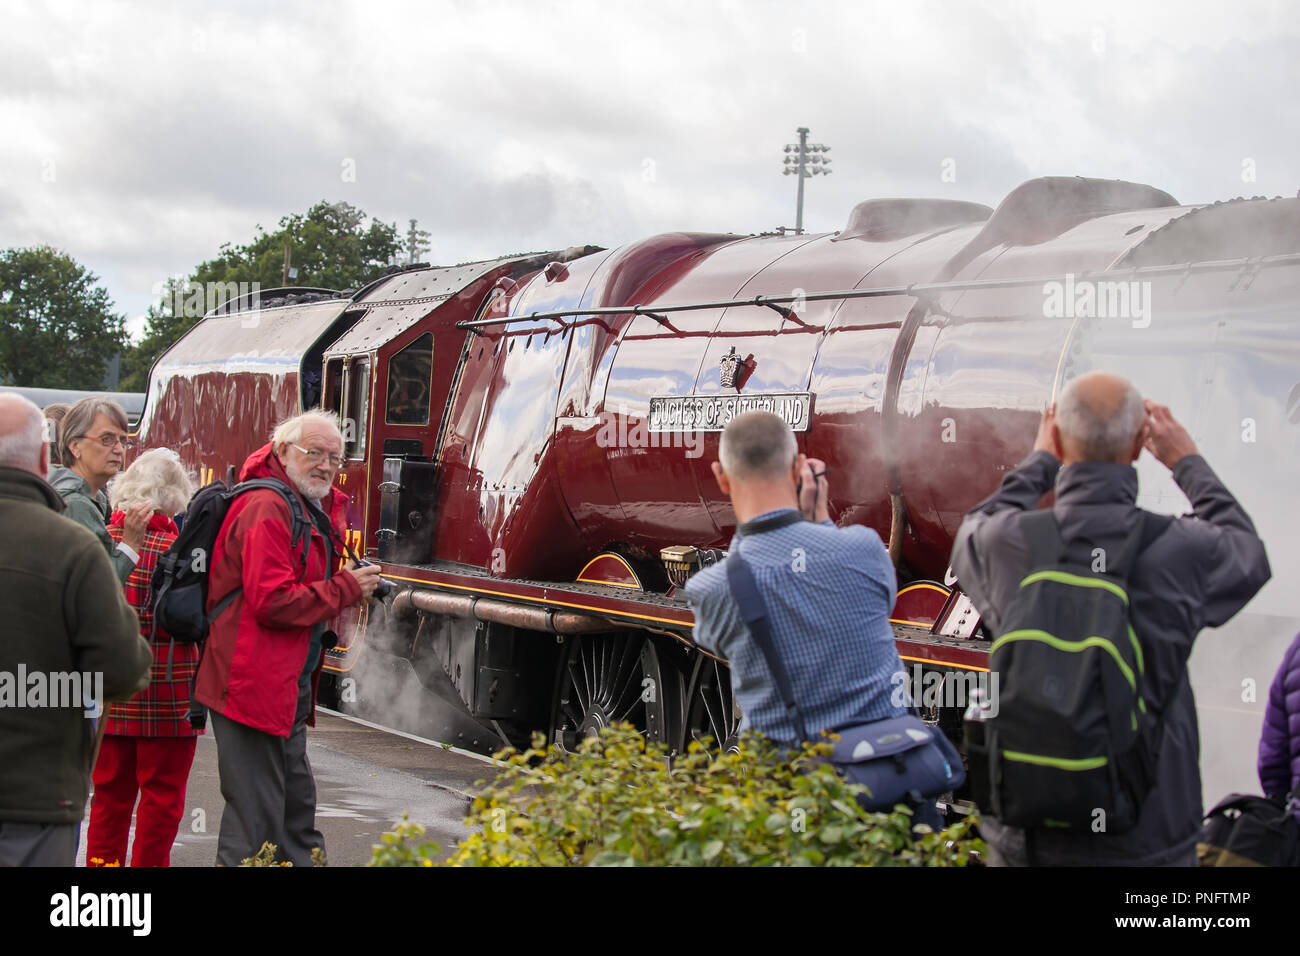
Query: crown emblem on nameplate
[[729, 369]]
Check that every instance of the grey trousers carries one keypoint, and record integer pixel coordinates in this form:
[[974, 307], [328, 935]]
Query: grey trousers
[[38, 844], [269, 791]]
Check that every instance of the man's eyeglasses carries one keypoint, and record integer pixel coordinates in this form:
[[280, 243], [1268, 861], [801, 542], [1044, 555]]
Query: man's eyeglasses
[[108, 441], [315, 456]]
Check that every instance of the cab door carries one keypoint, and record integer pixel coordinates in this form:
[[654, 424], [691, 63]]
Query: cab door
[[354, 413]]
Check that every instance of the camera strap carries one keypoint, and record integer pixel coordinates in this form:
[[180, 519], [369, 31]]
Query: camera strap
[[753, 609], [782, 519]]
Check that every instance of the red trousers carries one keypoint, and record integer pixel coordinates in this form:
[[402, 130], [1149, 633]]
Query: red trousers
[[158, 768]]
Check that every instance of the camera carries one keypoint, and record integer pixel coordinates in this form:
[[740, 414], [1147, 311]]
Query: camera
[[384, 588]]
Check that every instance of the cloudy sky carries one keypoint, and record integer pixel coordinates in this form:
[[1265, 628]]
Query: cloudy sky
[[138, 137]]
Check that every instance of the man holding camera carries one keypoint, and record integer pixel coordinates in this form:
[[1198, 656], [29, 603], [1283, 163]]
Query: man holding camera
[[262, 659], [829, 592]]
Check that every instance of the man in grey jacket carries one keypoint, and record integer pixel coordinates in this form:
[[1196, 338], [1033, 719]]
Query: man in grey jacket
[[69, 634], [1198, 573]]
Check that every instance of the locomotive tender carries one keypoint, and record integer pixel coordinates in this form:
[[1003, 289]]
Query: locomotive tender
[[528, 439]]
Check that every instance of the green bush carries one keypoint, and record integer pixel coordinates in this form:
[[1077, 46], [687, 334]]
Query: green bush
[[620, 801], [400, 846]]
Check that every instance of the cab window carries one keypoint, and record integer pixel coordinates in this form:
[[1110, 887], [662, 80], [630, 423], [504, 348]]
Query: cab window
[[358, 406], [410, 374]]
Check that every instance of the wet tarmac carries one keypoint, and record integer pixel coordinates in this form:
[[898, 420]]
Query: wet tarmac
[[366, 777]]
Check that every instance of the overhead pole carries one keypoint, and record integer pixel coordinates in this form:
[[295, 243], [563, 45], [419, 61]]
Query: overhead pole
[[804, 160], [802, 174]]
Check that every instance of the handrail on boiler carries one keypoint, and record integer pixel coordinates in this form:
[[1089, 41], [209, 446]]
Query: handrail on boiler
[[916, 290]]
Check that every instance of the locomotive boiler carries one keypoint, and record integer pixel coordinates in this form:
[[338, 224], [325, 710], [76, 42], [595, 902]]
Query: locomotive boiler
[[528, 439]]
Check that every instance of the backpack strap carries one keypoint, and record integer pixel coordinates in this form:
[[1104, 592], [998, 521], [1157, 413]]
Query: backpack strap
[[300, 527], [754, 612], [1141, 536]]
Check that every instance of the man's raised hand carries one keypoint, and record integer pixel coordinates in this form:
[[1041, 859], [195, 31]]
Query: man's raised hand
[[1165, 437]]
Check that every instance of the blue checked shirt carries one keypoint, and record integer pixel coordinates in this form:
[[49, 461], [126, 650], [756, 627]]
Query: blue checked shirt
[[828, 592]]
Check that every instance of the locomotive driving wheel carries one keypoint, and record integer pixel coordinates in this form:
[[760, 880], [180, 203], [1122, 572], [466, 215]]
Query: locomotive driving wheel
[[710, 711], [605, 678]]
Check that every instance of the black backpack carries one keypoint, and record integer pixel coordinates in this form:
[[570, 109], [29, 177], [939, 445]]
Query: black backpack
[[180, 580], [1071, 745], [1244, 830]]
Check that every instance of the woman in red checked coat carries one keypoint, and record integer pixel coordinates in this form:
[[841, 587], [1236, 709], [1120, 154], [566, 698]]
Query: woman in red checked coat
[[148, 742]]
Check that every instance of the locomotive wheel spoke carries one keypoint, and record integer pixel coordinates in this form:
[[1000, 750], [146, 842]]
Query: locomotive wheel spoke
[[599, 683], [710, 712]]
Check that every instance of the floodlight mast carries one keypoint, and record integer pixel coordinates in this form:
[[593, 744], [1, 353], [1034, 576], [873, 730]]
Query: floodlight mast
[[808, 160]]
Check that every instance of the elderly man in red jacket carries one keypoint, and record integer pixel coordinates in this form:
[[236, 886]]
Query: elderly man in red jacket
[[262, 659]]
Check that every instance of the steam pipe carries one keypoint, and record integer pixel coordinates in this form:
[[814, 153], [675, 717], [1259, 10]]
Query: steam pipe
[[414, 600]]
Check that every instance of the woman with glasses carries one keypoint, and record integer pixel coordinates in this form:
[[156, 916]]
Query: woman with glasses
[[92, 445], [148, 741]]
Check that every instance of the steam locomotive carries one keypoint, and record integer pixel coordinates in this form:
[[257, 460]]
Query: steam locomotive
[[528, 439]]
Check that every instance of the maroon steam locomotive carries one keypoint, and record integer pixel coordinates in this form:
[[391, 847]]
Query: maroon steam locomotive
[[528, 439]]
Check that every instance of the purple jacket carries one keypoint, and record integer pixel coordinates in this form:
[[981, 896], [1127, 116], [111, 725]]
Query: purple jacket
[[1279, 747]]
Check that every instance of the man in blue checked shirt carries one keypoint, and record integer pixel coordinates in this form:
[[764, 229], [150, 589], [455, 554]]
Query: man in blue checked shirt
[[828, 590]]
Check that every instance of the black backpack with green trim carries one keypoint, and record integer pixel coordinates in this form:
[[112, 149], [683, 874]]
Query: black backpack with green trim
[[1068, 742]]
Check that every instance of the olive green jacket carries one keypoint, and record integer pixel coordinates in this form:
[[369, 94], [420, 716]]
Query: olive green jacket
[[91, 512], [68, 633]]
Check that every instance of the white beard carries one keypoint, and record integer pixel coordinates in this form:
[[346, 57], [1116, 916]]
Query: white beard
[[313, 489]]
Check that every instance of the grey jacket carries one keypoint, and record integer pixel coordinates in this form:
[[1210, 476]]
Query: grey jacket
[[1199, 573], [62, 613], [91, 512]]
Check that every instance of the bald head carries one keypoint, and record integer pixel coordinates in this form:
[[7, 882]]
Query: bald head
[[22, 435], [1100, 418]]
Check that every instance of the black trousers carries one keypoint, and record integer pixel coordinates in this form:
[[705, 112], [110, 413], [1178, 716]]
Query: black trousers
[[269, 791]]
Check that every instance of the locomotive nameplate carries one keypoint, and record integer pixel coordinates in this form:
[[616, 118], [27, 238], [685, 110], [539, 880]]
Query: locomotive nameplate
[[711, 413]]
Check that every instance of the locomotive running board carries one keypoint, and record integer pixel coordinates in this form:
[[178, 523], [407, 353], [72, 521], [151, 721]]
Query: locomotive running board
[[655, 612]]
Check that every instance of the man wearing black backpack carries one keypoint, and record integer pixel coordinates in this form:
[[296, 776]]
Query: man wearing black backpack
[[262, 658], [1174, 576]]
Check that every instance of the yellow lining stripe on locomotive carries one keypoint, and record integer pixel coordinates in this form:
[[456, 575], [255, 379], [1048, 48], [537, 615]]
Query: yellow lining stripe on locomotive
[[612, 584], [923, 584], [960, 667]]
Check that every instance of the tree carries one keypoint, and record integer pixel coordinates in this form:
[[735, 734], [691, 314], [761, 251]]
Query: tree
[[330, 246], [57, 325]]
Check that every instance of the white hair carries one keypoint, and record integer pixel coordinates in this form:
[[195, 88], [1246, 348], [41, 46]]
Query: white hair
[[157, 477], [289, 431], [1100, 439], [22, 447]]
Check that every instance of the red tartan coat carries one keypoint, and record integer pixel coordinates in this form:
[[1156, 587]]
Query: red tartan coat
[[159, 710]]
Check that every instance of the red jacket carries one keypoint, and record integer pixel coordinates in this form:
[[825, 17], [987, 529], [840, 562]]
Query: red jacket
[[159, 710], [257, 648]]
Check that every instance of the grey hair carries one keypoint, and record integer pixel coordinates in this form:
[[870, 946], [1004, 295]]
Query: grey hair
[[289, 431], [157, 477], [21, 447], [757, 445], [1100, 438], [82, 415]]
